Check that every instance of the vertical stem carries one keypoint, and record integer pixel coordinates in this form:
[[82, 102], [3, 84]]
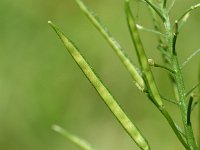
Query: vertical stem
[[183, 106], [179, 85]]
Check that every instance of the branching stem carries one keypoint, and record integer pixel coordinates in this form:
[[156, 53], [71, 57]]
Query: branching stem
[[145, 82], [183, 106], [179, 82]]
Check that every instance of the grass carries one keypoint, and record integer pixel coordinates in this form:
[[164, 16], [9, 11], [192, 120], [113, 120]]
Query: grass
[[144, 78]]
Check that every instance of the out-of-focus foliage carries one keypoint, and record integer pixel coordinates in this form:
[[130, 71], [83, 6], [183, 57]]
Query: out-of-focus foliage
[[40, 84]]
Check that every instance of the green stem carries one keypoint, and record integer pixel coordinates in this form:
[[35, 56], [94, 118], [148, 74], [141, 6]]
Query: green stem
[[153, 93], [174, 127], [164, 67], [183, 106], [180, 86]]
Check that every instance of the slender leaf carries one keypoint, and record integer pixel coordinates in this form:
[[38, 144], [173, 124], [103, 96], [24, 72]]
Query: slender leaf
[[111, 103]]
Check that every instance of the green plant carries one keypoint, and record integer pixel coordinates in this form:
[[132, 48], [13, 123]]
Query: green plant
[[144, 79]]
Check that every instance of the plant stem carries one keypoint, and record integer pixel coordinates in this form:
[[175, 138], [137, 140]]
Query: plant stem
[[153, 93], [173, 126], [179, 85], [183, 106]]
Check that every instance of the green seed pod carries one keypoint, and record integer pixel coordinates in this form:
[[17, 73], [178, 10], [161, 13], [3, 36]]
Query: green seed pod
[[109, 100], [114, 44], [147, 73]]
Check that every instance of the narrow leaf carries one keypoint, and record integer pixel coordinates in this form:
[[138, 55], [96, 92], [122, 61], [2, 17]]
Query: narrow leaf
[[111, 103], [114, 44], [73, 138], [148, 76]]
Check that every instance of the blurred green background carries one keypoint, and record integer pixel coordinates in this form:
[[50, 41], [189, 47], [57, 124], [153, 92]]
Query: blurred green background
[[40, 85]]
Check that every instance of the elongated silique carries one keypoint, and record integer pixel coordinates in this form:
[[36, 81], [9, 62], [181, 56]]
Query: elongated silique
[[144, 79]]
